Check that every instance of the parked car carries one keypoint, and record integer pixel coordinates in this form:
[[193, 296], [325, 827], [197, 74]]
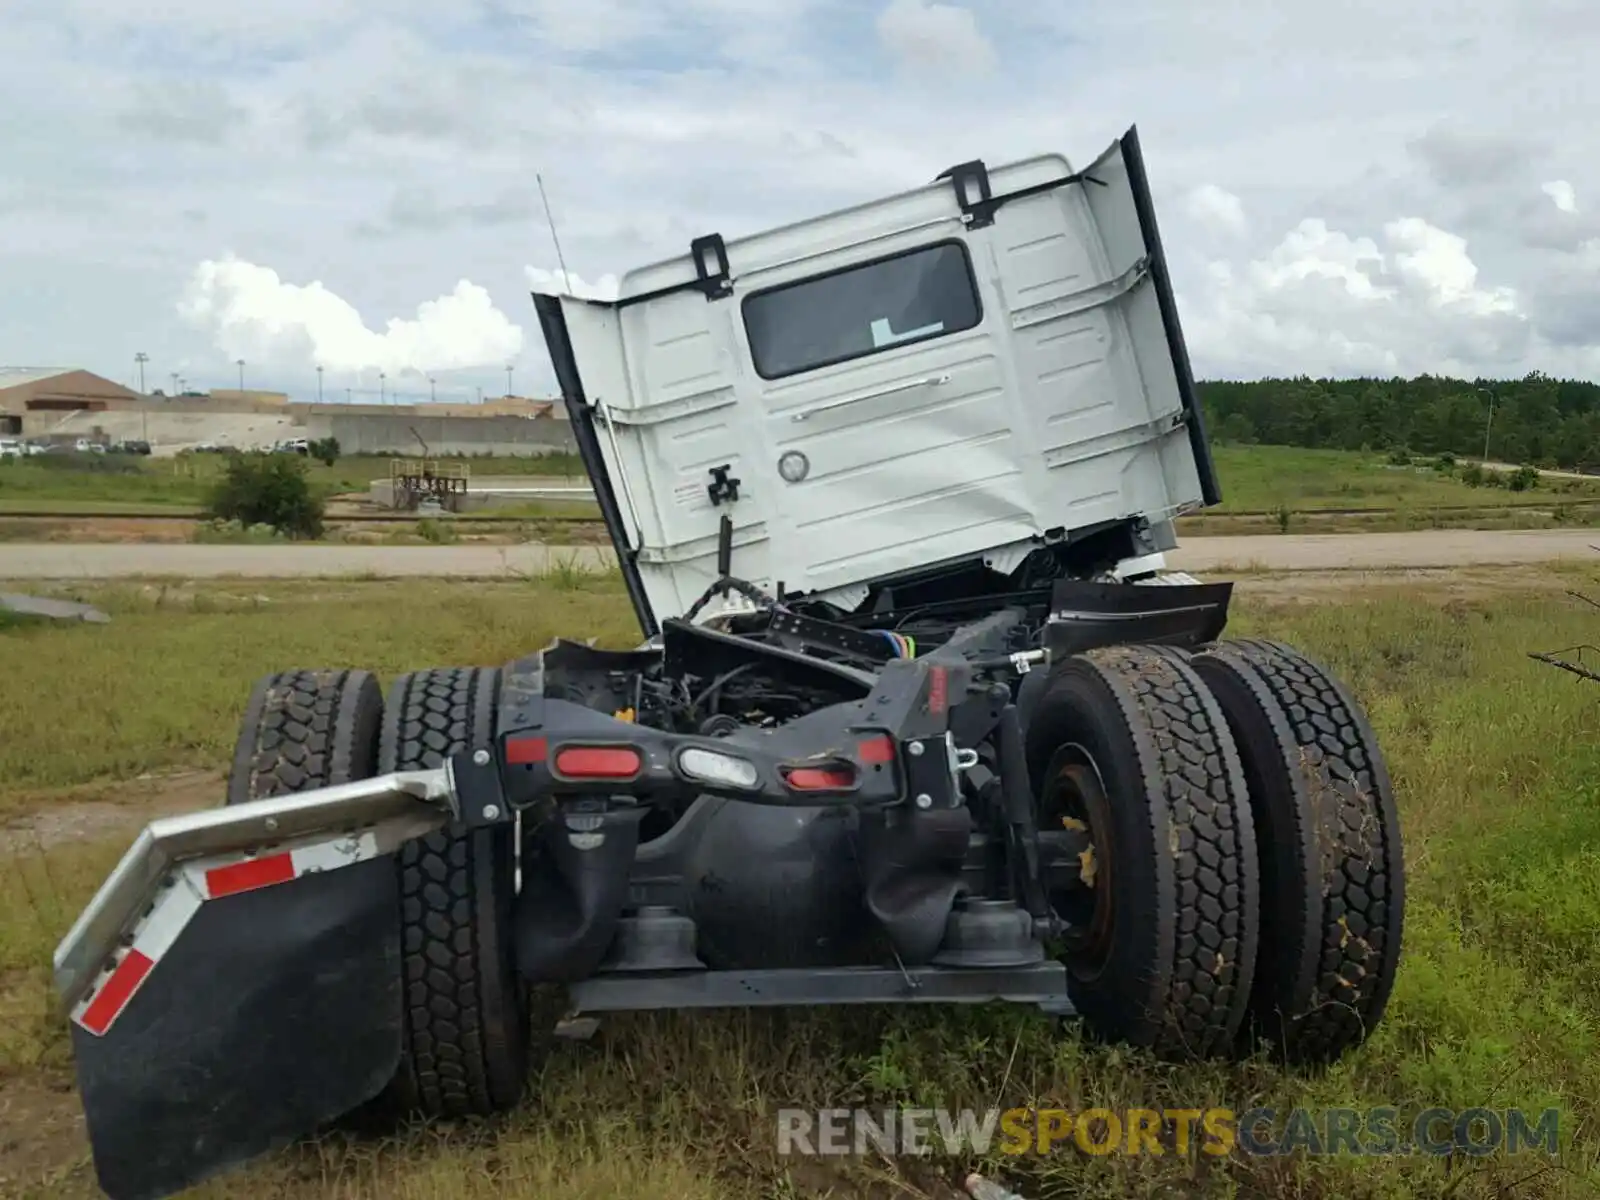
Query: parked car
[[11, 448]]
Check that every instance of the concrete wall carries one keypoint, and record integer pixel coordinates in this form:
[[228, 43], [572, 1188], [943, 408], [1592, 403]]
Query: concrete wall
[[168, 431], [173, 427], [231, 398], [449, 435]]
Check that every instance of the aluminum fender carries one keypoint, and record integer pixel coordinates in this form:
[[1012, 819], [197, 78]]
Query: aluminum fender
[[389, 804]]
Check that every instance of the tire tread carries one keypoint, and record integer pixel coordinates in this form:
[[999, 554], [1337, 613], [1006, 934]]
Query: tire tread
[[1355, 869], [458, 1062], [1207, 912]]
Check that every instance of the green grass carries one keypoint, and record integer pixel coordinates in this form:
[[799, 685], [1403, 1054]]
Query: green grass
[[1263, 478], [1496, 760], [103, 483], [1255, 479]]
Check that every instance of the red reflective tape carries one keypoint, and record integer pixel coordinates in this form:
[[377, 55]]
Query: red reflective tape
[[938, 690], [875, 751], [118, 990], [249, 875], [522, 751]]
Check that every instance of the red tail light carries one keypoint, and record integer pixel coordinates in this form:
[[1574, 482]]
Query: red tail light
[[820, 779], [598, 762]]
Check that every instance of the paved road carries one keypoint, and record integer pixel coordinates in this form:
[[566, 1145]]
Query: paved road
[[1294, 552], [1547, 472], [1331, 551]]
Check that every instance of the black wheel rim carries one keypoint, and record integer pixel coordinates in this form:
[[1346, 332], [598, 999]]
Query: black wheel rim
[[1074, 795]]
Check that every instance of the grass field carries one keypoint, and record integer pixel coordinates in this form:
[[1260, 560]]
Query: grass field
[[105, 483], [1255, 479], [1265, 478], [1496, 760]]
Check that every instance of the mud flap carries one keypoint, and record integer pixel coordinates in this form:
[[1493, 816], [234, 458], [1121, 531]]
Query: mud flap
[[244, 1022]]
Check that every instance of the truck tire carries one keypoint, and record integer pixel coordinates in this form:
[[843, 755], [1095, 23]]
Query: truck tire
[[306, 729], [1128, 741], [467, 1020], [1332, 873]]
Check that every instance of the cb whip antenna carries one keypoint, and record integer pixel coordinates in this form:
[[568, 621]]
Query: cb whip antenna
[[560, 258]]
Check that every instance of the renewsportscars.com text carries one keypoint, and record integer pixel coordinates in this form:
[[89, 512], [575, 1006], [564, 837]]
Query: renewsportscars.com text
[[1170, 1131]]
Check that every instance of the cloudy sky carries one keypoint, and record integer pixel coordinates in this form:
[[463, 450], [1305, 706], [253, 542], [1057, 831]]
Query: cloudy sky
[[1344, 188]]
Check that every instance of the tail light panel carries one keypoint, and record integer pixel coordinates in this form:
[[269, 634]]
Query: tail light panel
[[597, 762], [717, 767]]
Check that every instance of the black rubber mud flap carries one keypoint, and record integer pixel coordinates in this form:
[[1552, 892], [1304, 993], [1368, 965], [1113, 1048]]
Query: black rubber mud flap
[[274, 1012]]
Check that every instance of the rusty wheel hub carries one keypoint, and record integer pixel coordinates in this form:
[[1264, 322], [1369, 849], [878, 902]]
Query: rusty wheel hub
[[1075, 799]]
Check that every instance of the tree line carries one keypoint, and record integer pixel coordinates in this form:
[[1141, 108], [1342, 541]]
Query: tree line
[[1537, 420]]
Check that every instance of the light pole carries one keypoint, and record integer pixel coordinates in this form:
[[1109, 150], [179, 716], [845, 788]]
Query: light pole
[[382, 396], [319, 385], [508, 381], [1487, 425], [174, 383], [480, 393], [433, 394], [144, 406], [349, 396], [239, 362]]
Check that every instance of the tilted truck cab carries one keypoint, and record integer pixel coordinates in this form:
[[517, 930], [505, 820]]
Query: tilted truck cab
[[910, 722], [986, 370]]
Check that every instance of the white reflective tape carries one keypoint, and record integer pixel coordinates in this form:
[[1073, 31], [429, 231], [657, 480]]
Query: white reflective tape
[[178, 900], [153, 936]]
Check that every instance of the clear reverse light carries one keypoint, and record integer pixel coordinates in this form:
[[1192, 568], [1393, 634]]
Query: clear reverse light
[[711, 767]]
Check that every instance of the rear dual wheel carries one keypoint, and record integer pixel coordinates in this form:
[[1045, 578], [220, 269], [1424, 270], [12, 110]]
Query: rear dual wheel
[[466, 1021], [1244, 876], [1127, 744], [1332, 871]]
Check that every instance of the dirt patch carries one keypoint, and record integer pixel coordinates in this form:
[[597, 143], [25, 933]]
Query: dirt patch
[[97, 530], [86, 815], [819, 1178], [42, 1134]]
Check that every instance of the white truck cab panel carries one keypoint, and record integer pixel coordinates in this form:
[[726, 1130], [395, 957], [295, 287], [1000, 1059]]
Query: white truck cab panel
[[966, 371]]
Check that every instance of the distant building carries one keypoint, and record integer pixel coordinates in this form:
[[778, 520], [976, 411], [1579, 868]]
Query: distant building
[[55, 389], [227, 398]]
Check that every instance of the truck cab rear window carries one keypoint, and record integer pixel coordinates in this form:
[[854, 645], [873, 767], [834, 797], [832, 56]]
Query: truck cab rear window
[[862, 310]]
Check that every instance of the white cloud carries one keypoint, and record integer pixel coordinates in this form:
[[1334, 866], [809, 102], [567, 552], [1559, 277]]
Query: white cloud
[[250, 312], [1217, 209], [1561, 194], [388, 149], [1325, 302], [945, 36], [1313, 251], [1437, 261], [569, 283]]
